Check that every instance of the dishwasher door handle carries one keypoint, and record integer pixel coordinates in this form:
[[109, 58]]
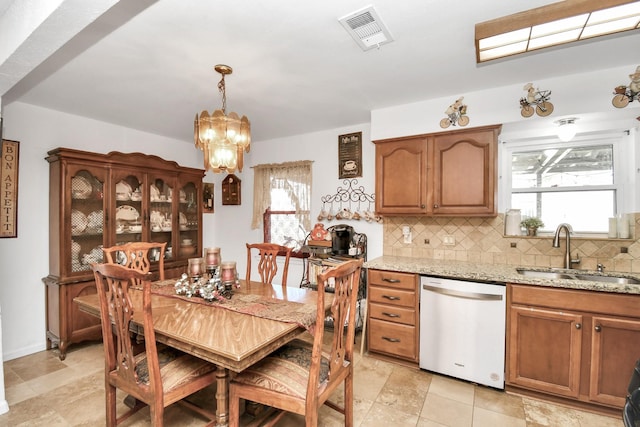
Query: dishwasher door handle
[[460, 294]]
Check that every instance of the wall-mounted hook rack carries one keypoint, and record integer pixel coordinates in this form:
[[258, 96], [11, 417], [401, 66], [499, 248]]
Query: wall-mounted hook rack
[[349, 202]]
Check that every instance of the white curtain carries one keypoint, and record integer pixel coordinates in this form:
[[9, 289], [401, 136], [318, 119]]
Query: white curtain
[[292, 177]]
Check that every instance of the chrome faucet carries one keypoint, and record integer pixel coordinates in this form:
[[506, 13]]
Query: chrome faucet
[[568, 262]]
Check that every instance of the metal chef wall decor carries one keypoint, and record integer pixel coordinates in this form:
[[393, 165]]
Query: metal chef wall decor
[[456, 114], [350, 155], [9, 189], [623, 95], [535, 100]]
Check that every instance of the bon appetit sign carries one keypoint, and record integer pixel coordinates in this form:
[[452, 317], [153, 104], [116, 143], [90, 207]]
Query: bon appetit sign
[[9, 189]]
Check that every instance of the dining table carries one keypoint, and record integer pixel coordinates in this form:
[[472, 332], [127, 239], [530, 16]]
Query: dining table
[[233, 334]]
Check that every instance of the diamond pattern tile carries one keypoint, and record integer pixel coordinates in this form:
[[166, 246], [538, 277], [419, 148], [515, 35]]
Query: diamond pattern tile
[[482, 240]]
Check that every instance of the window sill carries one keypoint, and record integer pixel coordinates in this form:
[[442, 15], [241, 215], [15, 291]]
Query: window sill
[[594, 236]]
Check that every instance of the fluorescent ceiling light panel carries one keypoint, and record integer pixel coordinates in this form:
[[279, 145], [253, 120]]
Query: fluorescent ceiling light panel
[[554, 24]]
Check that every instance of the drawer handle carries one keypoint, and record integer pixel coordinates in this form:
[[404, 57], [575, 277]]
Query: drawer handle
[[390, 314], [391, 339], [391, 280], [391, 297]]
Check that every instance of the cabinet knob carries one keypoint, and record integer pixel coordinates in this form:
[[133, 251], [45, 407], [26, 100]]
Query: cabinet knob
[[578, 326], [422, 206], [598, 328], [436, 206]]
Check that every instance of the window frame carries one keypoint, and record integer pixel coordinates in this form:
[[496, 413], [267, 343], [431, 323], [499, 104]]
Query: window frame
[[622, 169], [266, 231]]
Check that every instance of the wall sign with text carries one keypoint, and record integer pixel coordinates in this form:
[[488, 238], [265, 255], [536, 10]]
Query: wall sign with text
[[350, 155], [9, 189]]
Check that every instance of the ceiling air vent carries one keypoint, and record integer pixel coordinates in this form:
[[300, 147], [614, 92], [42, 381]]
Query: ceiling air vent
[[366, 28]]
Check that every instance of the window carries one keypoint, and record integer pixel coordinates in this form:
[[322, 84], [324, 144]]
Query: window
[[578, 183], [282, 200]]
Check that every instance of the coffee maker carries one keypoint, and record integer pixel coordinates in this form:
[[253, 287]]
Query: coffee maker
[[341, 237]]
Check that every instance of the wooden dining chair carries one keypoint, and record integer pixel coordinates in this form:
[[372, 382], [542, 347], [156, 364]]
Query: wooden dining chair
[[268, 266], [137, 255], [299, 377], [160, 375]]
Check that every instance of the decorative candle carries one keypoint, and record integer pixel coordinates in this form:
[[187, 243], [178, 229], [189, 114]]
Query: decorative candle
[[196, 267], [623, 226], [613, 228], [212, 256], [228, 271]]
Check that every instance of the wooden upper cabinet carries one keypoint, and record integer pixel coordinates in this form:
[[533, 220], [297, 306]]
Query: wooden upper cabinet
[[443, 174], [401, 176], [464, 172]]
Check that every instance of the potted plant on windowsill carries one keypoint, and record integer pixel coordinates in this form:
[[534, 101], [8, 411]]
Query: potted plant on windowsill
[[531, 224]]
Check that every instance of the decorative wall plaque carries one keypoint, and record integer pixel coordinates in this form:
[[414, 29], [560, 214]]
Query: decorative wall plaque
[[207, 197], [231, 190], [9, 188], [350, 155]]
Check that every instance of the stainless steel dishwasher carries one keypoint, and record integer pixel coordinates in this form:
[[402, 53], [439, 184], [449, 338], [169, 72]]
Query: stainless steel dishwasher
[[462, 329]]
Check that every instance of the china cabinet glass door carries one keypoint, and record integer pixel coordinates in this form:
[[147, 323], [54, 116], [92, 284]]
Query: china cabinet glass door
[[86, 220], [162, 197], [189, 215], [128, 194]]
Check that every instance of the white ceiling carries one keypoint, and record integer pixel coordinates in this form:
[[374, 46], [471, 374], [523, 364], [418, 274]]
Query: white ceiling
[[149, 64]]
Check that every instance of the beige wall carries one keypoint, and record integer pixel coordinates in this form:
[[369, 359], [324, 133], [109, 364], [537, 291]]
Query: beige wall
[[482, 240]]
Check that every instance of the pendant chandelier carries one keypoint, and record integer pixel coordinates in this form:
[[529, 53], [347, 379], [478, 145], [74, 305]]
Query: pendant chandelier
[[222, 138]]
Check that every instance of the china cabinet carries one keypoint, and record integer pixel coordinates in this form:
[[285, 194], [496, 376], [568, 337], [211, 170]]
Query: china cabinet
[[102, 200], [440, 174], [572, 344]]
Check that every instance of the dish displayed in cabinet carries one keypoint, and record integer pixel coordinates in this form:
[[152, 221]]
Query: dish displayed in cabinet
[[123, 191], [94, 222], [79, 222], [127, 213], [80, 187], [154, 193]]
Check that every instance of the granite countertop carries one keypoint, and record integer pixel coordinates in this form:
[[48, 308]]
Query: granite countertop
[[499, 273]]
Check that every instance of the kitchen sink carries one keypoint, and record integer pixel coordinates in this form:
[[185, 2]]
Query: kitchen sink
[[544, 274], [608, 279], [578, 275]]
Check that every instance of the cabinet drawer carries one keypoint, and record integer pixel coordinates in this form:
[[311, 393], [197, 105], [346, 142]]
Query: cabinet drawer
[[393, 279], [392, 296], [393, 339], [392, 314]]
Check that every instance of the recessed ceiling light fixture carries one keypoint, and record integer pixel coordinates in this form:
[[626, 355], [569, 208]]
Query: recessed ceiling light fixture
[[555, 24], [566, 129]]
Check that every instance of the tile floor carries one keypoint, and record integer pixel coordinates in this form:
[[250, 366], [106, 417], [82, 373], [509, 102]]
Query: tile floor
[[43, 391]]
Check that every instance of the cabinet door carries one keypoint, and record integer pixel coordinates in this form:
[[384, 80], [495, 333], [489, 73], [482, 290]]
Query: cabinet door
[[544, 350], [615, 347], [464, 173], [190, 217], [162, 197], [128, 195], [401, 176], [82, 227]]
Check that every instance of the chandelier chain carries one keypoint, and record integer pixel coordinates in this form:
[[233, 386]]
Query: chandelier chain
[[222, 89]]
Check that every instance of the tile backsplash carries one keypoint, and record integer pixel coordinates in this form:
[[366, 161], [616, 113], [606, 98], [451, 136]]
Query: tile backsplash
[[482, 240]]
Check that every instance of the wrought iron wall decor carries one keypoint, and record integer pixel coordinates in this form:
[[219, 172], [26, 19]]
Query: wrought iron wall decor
[[349, 202]]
